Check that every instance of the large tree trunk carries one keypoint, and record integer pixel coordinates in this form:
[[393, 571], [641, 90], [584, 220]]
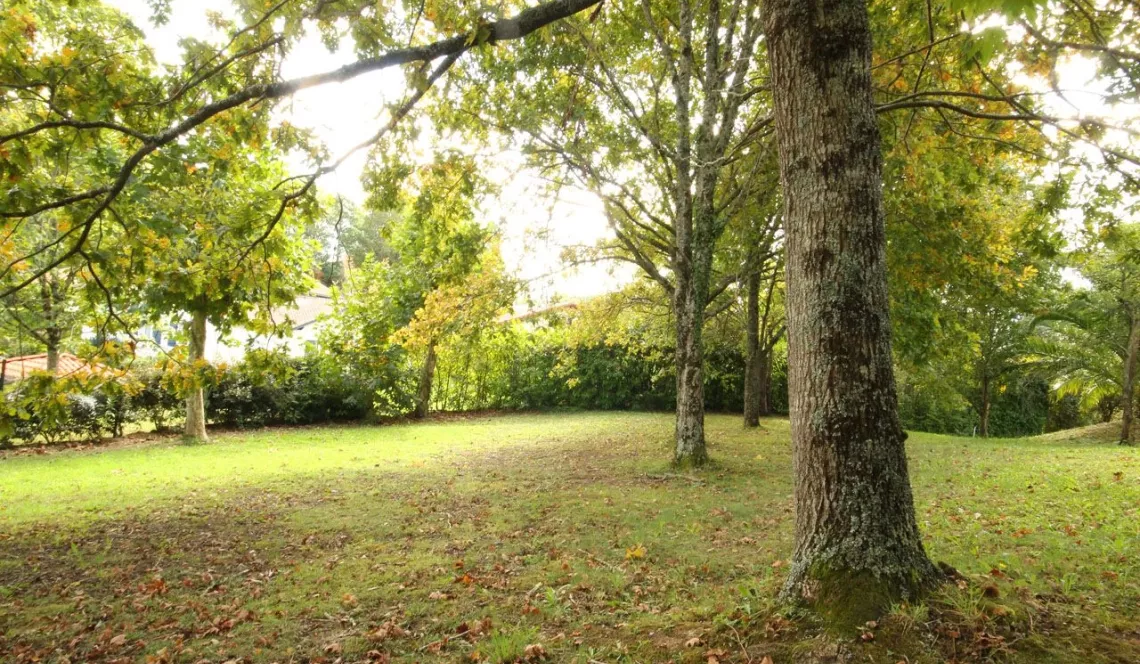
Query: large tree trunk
[[1127, 398], [690, 431], [857, 542], [196, 400], [427, 376], [753, 370]]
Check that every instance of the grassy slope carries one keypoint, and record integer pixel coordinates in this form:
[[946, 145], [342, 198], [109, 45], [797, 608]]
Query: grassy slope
[[564, 530]]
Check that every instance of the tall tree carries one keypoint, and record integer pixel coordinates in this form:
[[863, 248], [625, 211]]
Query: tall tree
[[752, 248], [435, 239], [50, 312], [1101, 323], [1117, 271], [432, 246], [857, 542], [764, 327], [217, 262], [460, 307], [660, 128]]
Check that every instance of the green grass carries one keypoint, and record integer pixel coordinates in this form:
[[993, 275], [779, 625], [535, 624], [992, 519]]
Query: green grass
[[476, 538]]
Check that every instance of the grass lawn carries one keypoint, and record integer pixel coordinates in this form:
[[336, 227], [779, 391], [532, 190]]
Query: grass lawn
[[530, 536]]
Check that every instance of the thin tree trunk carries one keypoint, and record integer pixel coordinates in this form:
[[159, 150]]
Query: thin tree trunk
[[690, 432], [51, 334], [858, 548], [753, 371], [1107, 408], [764, 395], [984, 414], [196, 400], [53, 341], [427, 375], [1127, 404]]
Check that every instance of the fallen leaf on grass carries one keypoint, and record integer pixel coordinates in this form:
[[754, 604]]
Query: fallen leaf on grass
[[635, 552], [471, 630], [534, 652], [387, 630]]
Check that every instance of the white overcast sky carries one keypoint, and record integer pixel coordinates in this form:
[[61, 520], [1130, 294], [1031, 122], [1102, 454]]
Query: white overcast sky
[[534, 229]]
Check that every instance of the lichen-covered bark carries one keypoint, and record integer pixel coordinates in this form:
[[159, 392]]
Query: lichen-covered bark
[[689, 447], [196, 400], [1127, 399], [857, 543], [695, 228]]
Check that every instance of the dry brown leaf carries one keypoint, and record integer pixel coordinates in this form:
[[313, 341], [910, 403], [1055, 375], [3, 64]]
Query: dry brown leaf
[[534, 652]]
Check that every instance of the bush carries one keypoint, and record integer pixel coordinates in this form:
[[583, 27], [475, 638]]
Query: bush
[[516, 369], [275, 390], [55, 409], [154, 402], [266, 389]]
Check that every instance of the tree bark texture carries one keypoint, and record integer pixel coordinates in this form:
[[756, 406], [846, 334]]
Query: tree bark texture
[[1127, 397], [52, 359], [690, 427], [857, 542], [196, 400], [427, 377]]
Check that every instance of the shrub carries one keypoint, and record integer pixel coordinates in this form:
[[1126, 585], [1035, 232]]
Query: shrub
[[76, 407], [267, 390], [517, 369], [154, 402]]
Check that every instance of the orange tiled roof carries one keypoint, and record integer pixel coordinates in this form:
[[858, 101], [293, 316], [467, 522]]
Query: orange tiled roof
[[17, 368]]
